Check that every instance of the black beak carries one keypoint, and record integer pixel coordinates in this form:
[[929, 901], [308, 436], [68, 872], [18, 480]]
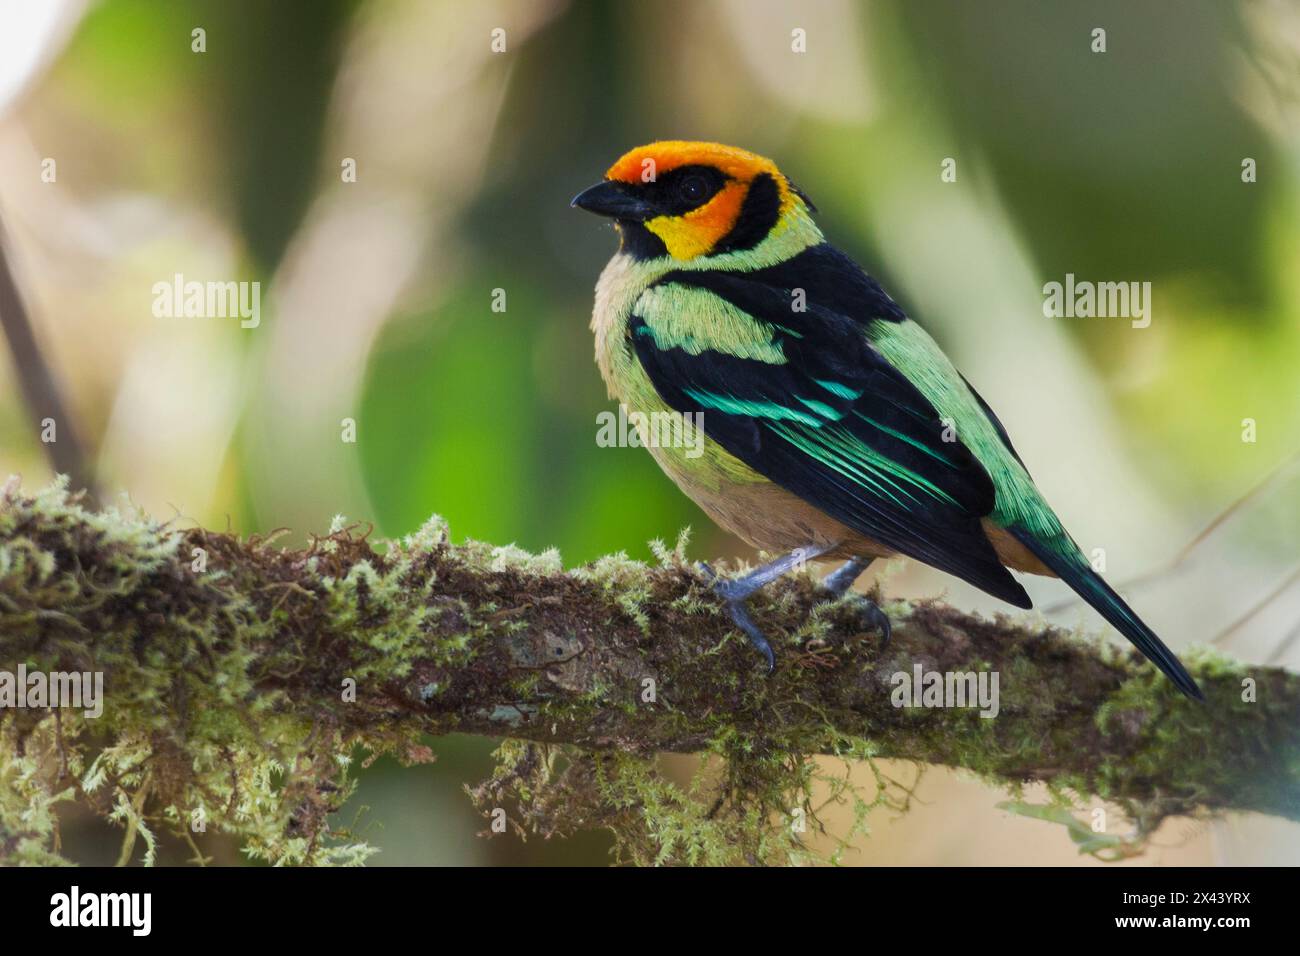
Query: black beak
[[614, 200]]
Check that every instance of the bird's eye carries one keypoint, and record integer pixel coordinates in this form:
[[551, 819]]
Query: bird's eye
[[693, 188]]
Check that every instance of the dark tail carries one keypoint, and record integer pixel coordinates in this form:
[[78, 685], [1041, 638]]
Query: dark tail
[[1077, 573]]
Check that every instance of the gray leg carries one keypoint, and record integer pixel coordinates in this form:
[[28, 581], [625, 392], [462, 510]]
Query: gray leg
[[842, 578], [736, 592], [840, 581]]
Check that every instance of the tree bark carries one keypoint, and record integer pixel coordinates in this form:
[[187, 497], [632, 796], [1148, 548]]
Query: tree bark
[[217, 652]]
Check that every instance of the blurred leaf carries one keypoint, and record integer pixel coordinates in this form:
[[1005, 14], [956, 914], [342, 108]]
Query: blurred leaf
[[1122, 164], [1101, 845], [446, 406], [30, 34], [271, 70]]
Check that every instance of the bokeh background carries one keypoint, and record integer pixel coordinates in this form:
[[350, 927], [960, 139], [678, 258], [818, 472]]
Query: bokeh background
[[377, 294]]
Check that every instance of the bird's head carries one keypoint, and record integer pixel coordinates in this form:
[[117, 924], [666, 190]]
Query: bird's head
[[687, 200]]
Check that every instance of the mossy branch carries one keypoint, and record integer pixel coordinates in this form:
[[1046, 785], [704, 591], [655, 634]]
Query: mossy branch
[[240, 676]]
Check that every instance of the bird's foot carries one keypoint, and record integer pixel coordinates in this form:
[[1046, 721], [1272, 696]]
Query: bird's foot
[[837, 583], [734, 594], [739, 612], [869, 616]]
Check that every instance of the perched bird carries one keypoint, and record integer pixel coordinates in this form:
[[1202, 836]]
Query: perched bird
[[835, 426]]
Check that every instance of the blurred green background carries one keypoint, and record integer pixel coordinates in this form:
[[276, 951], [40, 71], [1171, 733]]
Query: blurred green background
[[1123, 165]]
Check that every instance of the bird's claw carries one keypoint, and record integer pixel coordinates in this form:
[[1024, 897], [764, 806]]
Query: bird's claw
[[734, 595], [740, 615], [873, 618]]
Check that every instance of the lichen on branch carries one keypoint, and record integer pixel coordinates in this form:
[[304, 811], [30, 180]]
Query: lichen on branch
[[241, 677]]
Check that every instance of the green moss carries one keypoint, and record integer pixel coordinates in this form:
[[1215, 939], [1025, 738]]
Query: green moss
[[240, 692], [239, 761]]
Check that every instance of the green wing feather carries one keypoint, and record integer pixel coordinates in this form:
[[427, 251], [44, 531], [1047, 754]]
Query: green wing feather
[[803, 399], [851, 405], [1020, 507]]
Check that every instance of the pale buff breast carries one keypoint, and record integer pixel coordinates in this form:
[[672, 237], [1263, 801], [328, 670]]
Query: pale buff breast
[[760, 513], [732, 494]]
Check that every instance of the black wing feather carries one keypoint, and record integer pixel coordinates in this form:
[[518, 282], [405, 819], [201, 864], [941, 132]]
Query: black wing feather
[[756, 411]]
